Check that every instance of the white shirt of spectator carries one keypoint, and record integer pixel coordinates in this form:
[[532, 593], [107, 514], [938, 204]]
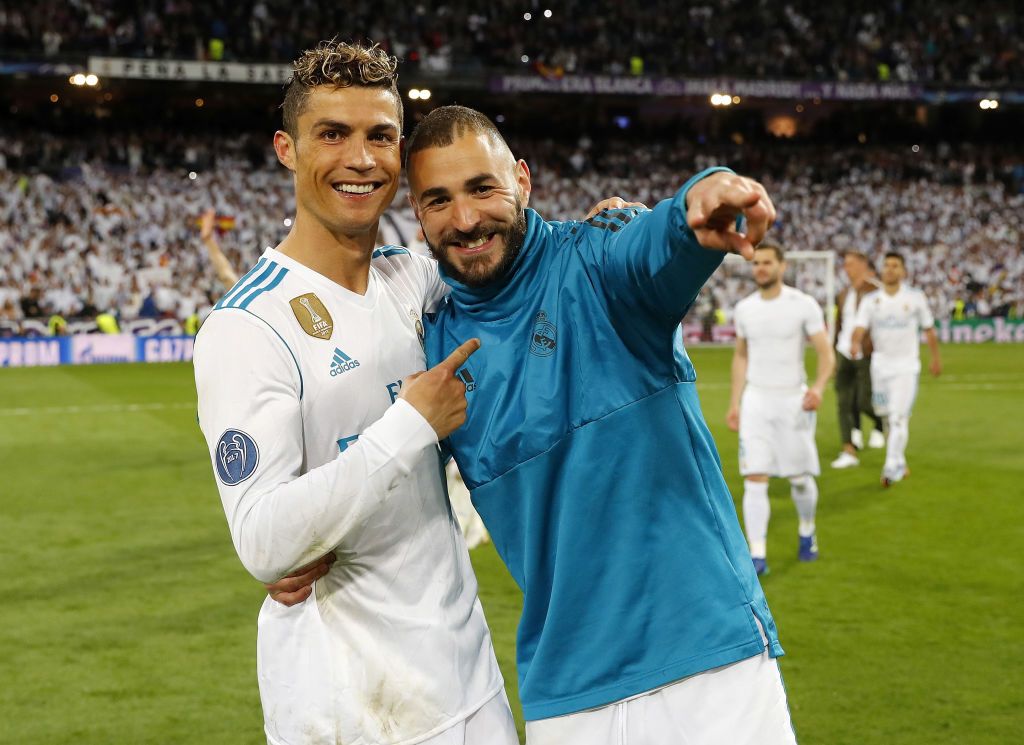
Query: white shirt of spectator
[[775, 331], [895, 323], [314, 452]]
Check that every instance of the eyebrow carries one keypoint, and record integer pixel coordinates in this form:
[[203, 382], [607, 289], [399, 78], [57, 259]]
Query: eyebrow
[[331, 124], [343, 127], [469, 184]]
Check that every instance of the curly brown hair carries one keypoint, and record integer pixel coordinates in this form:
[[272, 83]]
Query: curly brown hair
[[338, 64]]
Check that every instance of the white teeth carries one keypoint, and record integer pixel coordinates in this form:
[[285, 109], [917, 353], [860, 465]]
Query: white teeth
[[354, 188], [478, 242]]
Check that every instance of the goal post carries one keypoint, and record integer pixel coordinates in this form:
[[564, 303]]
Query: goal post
[[813, 272]]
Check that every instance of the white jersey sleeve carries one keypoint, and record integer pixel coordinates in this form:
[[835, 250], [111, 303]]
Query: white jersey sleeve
[[739, 319], [864, 315], [814, 319], [250, 391], [925, 319]]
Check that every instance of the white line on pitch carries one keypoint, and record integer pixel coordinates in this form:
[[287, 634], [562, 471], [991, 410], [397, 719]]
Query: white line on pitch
[[99, 408]]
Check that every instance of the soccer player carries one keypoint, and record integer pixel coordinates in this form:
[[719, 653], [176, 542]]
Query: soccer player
[[318, 446], [853, 376], [895, 316], [586, 452], [771, 405]]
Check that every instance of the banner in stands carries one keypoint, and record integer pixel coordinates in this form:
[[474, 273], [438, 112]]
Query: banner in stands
[[157, 69], [655, 86], [93, 349]]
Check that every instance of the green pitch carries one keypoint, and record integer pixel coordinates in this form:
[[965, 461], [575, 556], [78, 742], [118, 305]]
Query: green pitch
[[126, 617]]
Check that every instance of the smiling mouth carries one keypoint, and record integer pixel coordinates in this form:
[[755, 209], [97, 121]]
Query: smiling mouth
[[356, 190], [474, 246]]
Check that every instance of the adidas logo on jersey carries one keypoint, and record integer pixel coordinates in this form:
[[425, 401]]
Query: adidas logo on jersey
[[342, 363]]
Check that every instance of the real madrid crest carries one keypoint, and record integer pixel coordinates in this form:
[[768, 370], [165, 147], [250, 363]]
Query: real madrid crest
[[542, 339], [312, 316], [418, 323]]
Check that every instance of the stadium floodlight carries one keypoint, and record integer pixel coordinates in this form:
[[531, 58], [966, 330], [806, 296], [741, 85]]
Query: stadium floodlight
[[425, 94], [527, 16], [547, 13], [287, 222], [192, 175], [721, 99], [736, 99], [989, 103], [77, 79], [414, 94], [525, 58], [91, 80]]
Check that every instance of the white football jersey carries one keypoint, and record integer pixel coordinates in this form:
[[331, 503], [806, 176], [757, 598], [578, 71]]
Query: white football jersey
[[312, 450], [895, 322], [775, 331]]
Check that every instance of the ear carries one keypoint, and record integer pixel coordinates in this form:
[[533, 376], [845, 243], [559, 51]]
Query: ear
[[523, 183], [414, 204], [284, 146]]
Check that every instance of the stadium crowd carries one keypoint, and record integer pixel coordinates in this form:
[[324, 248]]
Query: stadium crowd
[[905, 40], [104, 224]]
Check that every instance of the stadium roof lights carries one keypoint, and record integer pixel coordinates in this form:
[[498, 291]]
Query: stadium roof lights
[[80, 79], [989, 104], [724, 99], [419, 94]]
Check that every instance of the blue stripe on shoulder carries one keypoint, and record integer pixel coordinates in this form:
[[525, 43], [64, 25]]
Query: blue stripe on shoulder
[[239, 283], [390, 251], [260, 290], [261, 277]]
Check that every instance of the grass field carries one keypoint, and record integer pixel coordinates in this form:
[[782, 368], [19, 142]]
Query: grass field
[[127, 618]]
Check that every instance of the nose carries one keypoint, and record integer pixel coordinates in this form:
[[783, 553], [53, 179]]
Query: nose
[[465, 216], [358, 155]]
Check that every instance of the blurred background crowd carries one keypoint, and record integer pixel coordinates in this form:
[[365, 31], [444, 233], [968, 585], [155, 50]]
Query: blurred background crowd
[[101, 224], [906, 40], [101, 193]]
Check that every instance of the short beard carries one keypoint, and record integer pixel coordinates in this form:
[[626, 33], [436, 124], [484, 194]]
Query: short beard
[[471, 275], [770, 283]]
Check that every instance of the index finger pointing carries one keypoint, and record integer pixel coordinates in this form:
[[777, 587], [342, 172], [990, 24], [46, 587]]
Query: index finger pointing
[[458, 358]]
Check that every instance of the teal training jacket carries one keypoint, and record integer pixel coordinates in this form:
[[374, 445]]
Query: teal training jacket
[[589, 460]]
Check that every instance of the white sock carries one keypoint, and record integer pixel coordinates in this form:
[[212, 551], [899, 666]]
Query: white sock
[[804, 490], [756, 511], [896, 447]]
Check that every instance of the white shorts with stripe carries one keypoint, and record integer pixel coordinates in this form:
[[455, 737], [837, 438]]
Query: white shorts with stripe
[[491, 724], [893, 394], [739, 704], [776, 434]]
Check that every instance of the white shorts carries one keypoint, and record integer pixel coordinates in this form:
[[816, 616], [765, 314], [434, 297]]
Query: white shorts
[[491, 724], [776, 434], [739, 704], [893, 395]]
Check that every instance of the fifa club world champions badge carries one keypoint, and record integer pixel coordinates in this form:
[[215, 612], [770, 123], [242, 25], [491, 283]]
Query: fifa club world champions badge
[[312, 316]]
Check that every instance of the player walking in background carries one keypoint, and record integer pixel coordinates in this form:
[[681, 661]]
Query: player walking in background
[[643, 619], [771, 405], [318, 446], [895, 317], [853, 376]]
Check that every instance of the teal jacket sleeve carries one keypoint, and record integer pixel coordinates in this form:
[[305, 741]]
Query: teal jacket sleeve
[[649, 260]]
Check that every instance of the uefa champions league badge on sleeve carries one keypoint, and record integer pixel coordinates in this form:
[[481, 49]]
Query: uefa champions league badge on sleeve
[[236, 457]]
